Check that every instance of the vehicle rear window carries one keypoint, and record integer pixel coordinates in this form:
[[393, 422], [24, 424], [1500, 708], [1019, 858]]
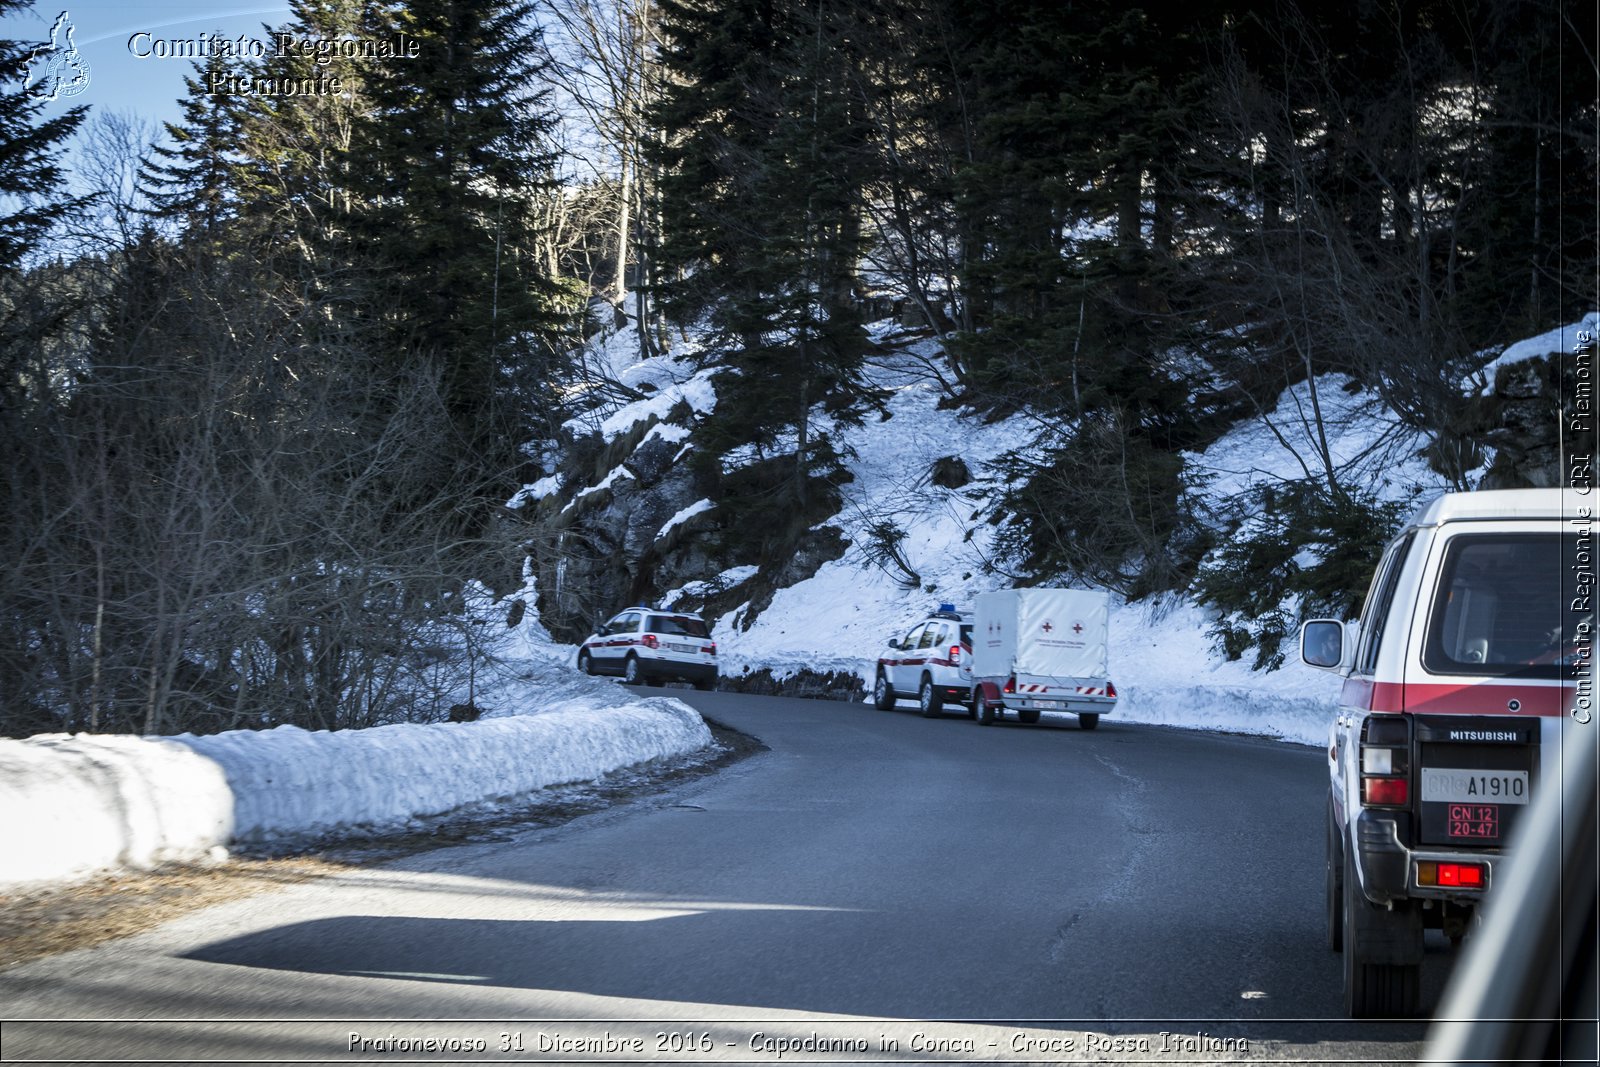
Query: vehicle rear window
[[1499, 608], [687, 625]]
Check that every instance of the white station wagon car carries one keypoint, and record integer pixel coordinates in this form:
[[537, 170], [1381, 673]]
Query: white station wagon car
[[645, 645]]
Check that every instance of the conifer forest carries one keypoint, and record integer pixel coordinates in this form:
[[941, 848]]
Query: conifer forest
[[270, 372]]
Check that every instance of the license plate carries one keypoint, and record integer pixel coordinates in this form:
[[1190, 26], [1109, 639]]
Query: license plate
[[1442, 785], [1480, 822], [679, 646]]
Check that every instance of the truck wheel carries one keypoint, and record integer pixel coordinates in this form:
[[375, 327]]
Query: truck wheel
[[1028, 715], [882, 695], [1382, 954], [1088, 720], [929, 699], [1334, 880], [985, 713]]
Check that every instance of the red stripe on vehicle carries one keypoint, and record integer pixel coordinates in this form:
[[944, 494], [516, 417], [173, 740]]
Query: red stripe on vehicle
[[1458, 698]]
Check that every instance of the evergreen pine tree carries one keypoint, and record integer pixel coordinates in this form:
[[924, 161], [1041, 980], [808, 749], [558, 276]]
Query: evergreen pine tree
[[299, 183], [450, 163], [762, 210], [31, 201], [192, 181]]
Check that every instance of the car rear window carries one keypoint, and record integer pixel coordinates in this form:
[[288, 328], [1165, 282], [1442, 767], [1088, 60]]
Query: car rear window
[[687, 625], [1499, 608]]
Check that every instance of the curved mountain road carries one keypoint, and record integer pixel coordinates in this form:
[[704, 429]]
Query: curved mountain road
[[1041, 893]]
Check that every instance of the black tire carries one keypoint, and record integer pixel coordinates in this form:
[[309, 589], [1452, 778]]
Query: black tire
[[1028, 715], [972, 707], [1088, 720], [882, 694], [929, 699], [984, 712], [1334, 882], [1382, 954], [632, 673], [585, 662]]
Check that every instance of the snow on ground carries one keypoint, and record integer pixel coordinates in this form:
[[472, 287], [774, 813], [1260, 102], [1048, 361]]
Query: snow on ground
[[1563, 339], [75, 804], [1163, 663]]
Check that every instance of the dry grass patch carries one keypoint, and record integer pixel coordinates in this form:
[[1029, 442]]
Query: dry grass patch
[[60, 918]]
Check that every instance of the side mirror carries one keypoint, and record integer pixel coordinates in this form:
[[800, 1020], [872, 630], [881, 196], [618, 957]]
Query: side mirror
[[1323, 645], [894, 643]]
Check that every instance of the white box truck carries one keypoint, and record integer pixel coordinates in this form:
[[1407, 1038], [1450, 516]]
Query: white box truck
[[1038, 650]]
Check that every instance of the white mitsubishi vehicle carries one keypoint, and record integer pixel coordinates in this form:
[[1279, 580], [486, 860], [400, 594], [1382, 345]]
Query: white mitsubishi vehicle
[[1474, 652]]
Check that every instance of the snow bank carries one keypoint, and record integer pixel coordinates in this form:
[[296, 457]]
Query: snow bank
[[78, 804], [288, 782]]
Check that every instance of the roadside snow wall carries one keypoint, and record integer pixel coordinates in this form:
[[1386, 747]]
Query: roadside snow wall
[[76, 804]]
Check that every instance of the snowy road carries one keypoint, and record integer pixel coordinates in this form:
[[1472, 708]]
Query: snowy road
[[871, 866]]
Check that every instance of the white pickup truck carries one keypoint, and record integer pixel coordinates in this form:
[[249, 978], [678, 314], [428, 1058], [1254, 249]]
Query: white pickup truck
[[1038, 650]]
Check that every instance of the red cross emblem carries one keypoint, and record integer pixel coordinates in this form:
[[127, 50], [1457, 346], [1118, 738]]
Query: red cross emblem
[[1047, 626], [1077, 627]]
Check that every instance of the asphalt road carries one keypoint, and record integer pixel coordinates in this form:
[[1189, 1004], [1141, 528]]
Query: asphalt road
[[1044, 892]]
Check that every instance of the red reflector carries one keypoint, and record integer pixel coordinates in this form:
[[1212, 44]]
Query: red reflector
[[650, 641], [1387, 791], [1467, 875]]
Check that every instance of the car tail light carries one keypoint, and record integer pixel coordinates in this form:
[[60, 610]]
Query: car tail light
[[1011, 685], [955, 655], [1385, 762], [1462, 875], [710, 650], [651, 642], [1111, 690]]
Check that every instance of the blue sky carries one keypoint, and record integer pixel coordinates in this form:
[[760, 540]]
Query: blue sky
[[118, 81]]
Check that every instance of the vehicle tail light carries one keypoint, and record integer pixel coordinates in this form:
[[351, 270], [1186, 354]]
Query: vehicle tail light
[[1463, 875], [710, 650], [1384, 792], [1111, 690], [1011, 685], [1386, 762], [651, 642], [955, 655]]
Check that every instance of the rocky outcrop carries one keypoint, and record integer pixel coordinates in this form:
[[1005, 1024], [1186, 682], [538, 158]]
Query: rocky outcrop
[[1531, 421]]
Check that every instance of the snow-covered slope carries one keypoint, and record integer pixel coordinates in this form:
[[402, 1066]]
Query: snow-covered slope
[[1164, 665]]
